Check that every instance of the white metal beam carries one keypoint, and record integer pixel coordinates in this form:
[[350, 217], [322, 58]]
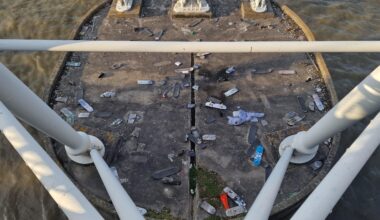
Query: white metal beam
[[190, 47], [323, 199], [72, 202]]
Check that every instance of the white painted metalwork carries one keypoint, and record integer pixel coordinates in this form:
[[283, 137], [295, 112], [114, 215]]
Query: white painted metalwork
[[362, 101], [321, 202], [259, 6], [262, 206], [124, 205], [191, 6], [31, 109], [124, 5], [190, 47], [72, 202]]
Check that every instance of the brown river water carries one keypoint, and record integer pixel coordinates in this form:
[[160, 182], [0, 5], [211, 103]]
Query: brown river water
[[23, 197]]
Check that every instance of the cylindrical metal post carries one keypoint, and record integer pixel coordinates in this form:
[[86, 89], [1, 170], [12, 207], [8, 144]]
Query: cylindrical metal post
[[27, 106], [362, 101], [322, 200], [125, 207], [72, 202], [191, 47], [263, 204]]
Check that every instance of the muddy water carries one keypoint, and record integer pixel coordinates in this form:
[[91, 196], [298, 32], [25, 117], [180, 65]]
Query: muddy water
[[22, 196]]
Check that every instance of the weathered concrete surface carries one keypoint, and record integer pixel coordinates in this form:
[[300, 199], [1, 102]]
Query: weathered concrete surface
[[139, 149]]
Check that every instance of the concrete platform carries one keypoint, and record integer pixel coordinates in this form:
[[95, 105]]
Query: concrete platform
[[139, 149]]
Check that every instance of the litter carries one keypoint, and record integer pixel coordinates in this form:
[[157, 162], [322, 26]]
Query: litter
[[209, 137], [252, 135], [316, 165], [73, 64], [136, 132], [195, 87], [318, 102], [142, 210], [196, 66], [237, 210], [108, 94], [61, 99], [85, 105], [117, 122], [165, 172], [318, 89], [116, 66], [264, 122], [176, 90], [287, 72], [202, 55], [215, 105], [184, 70], [291, 118], [70, 117], [230, 70], [190, 106], [159, 35], [264, 71], [208, 208], [132, 118], [145, 30], [257, 157], [235, 197], [239, 117], [195, 23], [311, 106], [171, 181], [171, 157], [214, 100], [231, 92], [145, 82], [301, 102], [224, 199], [178, 63], [265, 101], [103, 114], [102, 75], [84, 115]]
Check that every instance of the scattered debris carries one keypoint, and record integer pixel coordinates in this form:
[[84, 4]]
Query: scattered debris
[[73, 64], [308, 79], [61, 99], [318, 102], [116, 66], [235, 197], [287, 72], [197, 66], [231, 70], [171, 157], [264, 122], [195, 23], [224, 199], [202, 55], [190, 105], [161, 82], [85, 105], [237, 210], [215, 105], [231, 92], [145, 82], [116, 122], [264, 71], [239, 117], [103, 114], [176, 90], [311, 106], [159, 35], [195, 87], [178, 63], [165, 172], [214, 100], [171, 181], [102, 75], [108, 94], [257, 157], [132, 118], [265, 101], [252, 135], [142, 210], [145, 30], [318, 89], [136, 132], [184, 70], [301, 102], [70, 117], [208, 208], [291, 118], [209, 137], [316, 165], [83, 115]]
